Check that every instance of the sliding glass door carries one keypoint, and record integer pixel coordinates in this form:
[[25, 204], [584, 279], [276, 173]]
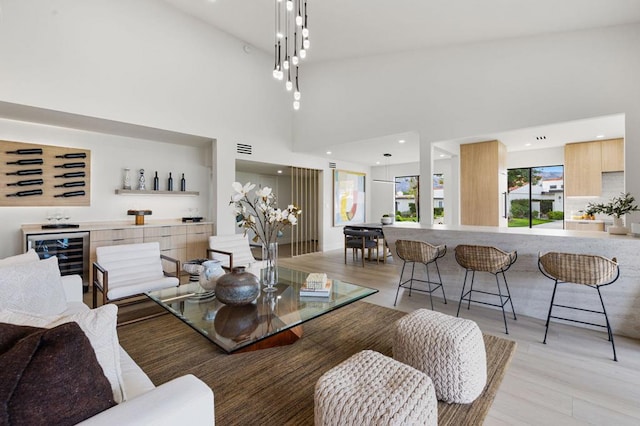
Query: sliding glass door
[[536, 197]]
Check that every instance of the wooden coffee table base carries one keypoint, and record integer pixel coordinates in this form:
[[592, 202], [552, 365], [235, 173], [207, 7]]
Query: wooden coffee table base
[[283, 338]]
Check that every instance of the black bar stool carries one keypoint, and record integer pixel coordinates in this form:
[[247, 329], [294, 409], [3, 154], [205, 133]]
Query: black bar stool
[[486, 259], [420, 252], [585, 269]]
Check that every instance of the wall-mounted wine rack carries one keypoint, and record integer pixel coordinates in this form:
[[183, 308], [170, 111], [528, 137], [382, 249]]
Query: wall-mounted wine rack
[[44, 175]]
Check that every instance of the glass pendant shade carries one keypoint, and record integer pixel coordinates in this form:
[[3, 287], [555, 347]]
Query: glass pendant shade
[[290, 24]]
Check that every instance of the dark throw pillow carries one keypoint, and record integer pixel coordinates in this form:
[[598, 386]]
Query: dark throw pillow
[[49, 376]]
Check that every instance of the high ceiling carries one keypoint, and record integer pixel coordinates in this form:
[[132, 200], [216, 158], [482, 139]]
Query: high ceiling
[[346, 29], [355, 28]]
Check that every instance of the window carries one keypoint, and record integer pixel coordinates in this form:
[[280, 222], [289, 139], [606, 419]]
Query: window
[[407, 190], [438, 198], [536, 197]]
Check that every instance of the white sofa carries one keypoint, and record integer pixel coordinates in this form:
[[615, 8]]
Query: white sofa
[[183, 400]]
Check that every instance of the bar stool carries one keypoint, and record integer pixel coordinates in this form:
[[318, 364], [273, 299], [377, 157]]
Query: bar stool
[[486, 259], [419, 252], [585, 269], [359, 239]]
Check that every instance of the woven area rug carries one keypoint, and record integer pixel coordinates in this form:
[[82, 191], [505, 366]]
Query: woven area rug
[[275, 386]]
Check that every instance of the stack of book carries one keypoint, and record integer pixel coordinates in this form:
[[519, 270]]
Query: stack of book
[[316, 285]]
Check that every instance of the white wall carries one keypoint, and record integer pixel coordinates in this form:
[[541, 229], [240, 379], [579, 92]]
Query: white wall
[[144, 63], [109, 156], [536, 158], [457, 91]]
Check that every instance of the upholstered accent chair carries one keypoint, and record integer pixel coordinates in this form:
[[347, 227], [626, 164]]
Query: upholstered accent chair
[[128, 270]]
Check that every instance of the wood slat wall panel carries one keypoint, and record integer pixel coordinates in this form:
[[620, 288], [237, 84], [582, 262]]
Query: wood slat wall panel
[[305, 193]]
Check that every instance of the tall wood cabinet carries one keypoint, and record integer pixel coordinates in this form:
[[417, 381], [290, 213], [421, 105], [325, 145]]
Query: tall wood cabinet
[[483, 182]]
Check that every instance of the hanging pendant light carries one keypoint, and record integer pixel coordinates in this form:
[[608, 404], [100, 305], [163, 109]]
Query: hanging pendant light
[[387, 178], [291, 25]]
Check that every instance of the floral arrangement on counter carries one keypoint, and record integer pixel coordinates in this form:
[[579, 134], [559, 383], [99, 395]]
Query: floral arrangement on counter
[[260, 214], [616, 207]]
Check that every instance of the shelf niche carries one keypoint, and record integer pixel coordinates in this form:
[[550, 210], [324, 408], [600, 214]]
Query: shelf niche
[[150, 192]]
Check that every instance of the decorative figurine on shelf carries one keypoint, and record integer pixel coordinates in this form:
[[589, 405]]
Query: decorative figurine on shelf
[[141, 186], [183, 184], [156, 182], [127, 179]]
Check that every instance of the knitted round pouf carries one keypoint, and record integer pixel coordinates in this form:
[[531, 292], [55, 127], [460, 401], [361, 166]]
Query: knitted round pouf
[[449, 350], [372, 389]]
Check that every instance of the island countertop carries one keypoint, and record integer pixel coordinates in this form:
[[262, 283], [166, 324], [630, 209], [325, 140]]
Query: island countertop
[[530, 290]]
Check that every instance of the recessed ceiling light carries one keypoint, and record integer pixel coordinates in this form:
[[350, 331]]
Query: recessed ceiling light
[[401, 141], [527, 144], [377, 162], [279, 171], [442, 155], [328, 152], [599, 136]]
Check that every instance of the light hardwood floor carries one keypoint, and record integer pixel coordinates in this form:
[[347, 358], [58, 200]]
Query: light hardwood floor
[[572, 380]]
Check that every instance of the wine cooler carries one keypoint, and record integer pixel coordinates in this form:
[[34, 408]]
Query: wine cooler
[[71, 248]]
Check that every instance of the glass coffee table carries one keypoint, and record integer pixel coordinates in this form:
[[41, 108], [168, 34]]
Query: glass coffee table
[[274, 319]]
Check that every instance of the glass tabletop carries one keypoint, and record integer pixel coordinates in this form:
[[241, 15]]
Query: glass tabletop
[[235, 327]]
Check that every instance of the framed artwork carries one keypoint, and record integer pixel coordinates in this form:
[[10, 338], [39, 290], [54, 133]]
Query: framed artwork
[[348, 197]]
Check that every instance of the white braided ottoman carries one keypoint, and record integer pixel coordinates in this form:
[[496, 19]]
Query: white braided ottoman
[[449, 350], [373, 389]]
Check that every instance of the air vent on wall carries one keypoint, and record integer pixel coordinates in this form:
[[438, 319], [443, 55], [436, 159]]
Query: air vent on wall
[[332, 165], [242, 148]]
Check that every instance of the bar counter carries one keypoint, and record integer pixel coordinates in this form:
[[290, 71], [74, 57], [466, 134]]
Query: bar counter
[[530, 290]]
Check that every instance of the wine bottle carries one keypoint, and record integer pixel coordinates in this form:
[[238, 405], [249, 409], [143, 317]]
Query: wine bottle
[[26, 193], [69, 165], [170, 183], [71, 194], [25, 172], [73, 155], [26, 151], [156, 182], [27, 182], [71, 175], [70, 184], [183, 184], [27, 161]]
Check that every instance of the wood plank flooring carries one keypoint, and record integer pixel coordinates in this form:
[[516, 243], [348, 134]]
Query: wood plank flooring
[[572, 380]]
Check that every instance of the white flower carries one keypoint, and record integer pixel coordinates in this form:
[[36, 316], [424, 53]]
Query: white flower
[[264, 192], [260, 214]]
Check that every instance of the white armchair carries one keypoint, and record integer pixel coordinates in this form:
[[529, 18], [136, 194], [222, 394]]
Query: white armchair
[[231, 250], [131, 269]]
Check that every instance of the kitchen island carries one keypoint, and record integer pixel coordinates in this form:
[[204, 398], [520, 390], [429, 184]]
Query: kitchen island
[[530, 290]]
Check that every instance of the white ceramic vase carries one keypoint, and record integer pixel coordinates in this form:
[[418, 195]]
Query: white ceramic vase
[[618, 227]]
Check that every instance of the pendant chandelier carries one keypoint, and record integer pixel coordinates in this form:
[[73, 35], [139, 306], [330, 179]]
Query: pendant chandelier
[[291, 43], [387, 178]]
